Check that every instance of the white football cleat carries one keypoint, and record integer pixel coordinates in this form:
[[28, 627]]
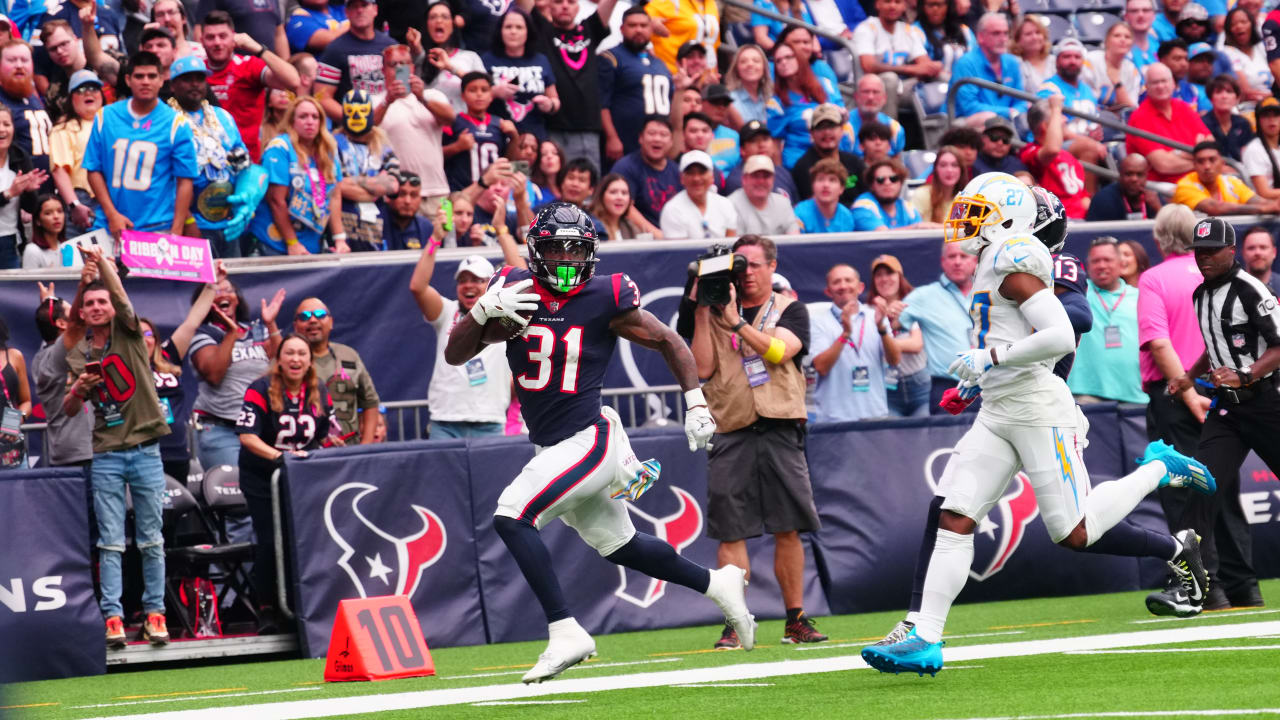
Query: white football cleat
[[728, 588], [569, 645]]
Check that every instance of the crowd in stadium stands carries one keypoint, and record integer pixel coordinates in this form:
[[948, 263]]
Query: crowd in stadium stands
[[361, 126]]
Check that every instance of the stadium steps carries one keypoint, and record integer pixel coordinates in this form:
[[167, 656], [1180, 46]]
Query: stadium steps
[[141, 653]]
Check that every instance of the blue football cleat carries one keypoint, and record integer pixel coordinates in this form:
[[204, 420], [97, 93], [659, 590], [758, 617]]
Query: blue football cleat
[[912, 654], [1180, 471]]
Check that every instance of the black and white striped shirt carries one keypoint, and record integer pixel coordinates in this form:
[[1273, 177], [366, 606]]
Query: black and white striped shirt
[[1239, 319]]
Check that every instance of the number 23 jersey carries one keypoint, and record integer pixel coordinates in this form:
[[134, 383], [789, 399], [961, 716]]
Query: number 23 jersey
[[1022, 394], [141, 159], [302, 424], [559, 363]]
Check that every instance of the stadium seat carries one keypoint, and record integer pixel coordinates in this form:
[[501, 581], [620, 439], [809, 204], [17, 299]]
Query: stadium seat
[[741, 33], [1064, 7], [919, 164], [1058, 26], [1092, 26], [1111, 6], [221, 496], [200, 555], [1036, 6]]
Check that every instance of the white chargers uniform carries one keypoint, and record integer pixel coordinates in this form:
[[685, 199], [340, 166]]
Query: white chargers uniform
[[1028, 418]]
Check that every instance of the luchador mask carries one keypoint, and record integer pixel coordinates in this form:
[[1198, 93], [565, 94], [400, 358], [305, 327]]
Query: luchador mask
[[357, 106]]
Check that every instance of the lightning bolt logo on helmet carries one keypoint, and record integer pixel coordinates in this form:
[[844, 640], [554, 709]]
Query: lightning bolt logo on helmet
[[408, 556]]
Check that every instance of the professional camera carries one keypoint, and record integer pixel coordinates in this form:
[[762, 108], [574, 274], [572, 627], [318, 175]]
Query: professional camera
[[715, 270]]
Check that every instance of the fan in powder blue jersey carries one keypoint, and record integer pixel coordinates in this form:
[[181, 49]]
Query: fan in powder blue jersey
[[141, 158]]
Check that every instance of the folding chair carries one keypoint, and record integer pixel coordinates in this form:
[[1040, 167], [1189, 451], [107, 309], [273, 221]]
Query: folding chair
[[220, 559]]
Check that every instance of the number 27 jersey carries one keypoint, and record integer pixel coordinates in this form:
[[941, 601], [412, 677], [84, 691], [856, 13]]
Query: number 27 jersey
[[559, 363], [141, 159]]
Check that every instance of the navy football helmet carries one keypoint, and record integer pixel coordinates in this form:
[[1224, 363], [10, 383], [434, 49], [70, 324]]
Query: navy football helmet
[[1050, 226], [562, 245]]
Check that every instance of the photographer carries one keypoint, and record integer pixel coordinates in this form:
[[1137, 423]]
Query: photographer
[[748, 342], [128, 424]]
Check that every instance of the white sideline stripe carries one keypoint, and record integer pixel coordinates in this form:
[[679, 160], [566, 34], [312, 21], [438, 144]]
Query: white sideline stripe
[[579, 666], [194, 697], [527, 702], [1135, 714], [832, 646], [1173, 650], [328, 707], [1204, 616], [720, 685]]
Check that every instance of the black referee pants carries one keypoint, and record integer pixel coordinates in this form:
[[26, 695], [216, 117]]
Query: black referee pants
[[1227, 555], [1227, 437]]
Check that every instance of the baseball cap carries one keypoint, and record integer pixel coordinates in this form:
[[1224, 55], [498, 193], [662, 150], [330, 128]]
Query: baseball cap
[[689, 48], [780, 282], [888, 261], [753, 130], [826, 112], [80, 78], [756, 163], [1213, 234], [1269, 104], [1068, 43], [695, 157], [1194, 11], [716, 92], [1198, 49], [476, 265], [998, 123], [187, 64]]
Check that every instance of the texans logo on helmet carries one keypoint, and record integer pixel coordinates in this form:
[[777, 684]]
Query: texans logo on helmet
[[1003, 535], [678, 529], [378, 562]]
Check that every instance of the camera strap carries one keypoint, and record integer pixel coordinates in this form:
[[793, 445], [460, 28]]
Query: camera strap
[[761, 319]]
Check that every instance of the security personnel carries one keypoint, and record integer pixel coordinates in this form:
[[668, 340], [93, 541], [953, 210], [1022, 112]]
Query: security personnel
[[1240, 322], [340, 368]]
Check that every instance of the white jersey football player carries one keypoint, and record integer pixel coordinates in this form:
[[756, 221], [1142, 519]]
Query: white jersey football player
[[1028, 421]]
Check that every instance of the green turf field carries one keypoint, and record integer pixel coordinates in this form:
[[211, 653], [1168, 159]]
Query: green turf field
[[1157, 675]]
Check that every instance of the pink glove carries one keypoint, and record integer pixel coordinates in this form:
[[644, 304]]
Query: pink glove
[[953, 402]]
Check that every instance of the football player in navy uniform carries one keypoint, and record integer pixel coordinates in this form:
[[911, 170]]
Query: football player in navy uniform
[[633, 85], [1068, 272], [584, 466], [288, 410]]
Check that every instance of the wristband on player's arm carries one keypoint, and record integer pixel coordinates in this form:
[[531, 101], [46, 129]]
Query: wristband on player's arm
[[694, 398]]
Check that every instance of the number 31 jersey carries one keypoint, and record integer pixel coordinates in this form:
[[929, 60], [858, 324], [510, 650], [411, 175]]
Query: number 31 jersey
[[302, 424], [1021, 394], [559, 363], [141, 159]]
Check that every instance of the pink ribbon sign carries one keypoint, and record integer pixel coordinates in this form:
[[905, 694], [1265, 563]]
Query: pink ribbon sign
[[168, 257]]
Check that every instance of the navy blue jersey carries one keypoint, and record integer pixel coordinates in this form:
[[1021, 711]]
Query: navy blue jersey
[[559, 363], [31, 127], [1069, 274], [302, 424], [633, 85], [466, 167]]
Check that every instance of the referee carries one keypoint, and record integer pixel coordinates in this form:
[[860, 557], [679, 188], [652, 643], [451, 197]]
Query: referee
[[1240, 322]]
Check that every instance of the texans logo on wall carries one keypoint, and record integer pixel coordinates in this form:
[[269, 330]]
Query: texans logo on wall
[[679, 529], [387, 563], [1000, 533]]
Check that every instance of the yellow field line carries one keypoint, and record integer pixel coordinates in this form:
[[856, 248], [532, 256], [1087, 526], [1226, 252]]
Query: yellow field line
[[1044, 624], [311, 682], [16, 707], [182, 692]]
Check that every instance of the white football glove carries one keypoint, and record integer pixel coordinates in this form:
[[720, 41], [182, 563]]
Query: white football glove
[[699, 426], [500, 302], [968, 390], [971, 364]]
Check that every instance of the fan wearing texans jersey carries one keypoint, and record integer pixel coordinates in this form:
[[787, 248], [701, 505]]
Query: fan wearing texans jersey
[[476, 138], [288, 410], [565, 322]]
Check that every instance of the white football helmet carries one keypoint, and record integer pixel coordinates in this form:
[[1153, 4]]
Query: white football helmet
[[991, 207]]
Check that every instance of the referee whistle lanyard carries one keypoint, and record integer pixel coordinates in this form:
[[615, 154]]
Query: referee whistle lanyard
[[761, 319], [862, 328], [1113, 307]]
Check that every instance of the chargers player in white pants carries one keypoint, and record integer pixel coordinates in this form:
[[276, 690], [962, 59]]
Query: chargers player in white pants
[[1028, 421]]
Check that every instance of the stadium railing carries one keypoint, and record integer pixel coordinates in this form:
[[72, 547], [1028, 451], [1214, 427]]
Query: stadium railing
[[1120, 127]]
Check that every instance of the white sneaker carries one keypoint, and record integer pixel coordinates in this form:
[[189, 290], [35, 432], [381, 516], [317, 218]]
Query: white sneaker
[[728, 588], [568, 645]]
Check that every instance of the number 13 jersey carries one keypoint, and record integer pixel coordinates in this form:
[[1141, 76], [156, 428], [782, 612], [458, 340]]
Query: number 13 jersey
[[1019, 394], [141, 159], [559, 363]]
